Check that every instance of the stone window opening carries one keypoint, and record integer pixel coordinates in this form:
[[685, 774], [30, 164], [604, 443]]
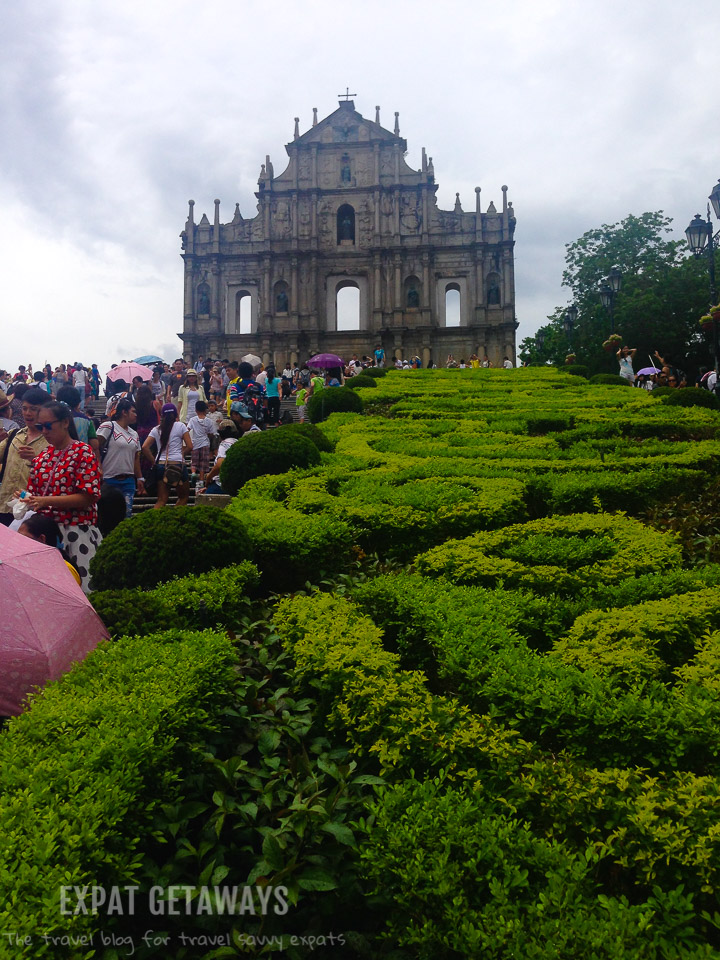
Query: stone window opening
[[243, 312], [203, 300], [452, 305], [346, 225], [412, 293], [493, 290], [347, 306]]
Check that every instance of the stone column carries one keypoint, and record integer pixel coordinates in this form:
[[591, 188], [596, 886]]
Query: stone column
[[397, 263], [396, 211], [189, 311], [377, 283], [294, 307], [266, 306], [426, 281]]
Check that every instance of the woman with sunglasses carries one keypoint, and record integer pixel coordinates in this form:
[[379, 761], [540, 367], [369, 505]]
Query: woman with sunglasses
[[64, 484]]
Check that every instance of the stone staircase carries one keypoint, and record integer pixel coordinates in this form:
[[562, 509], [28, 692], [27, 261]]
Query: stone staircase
[[142, 503]]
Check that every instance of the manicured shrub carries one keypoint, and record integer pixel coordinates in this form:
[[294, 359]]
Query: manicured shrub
[[576, 370], [260, 454], [564, 555], [692, 397], [375, 372], [333, 400], [360, 383], [86, 768], [549, 424], [309, 430], [610, 379], [195, 602], [158, 545]]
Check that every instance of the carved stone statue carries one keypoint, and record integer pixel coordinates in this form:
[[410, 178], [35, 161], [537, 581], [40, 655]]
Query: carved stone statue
[[413, 298], [493, 296], [203, 299], [346, 228], [282, 302]]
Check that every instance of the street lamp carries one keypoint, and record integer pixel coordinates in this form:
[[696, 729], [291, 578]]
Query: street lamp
[[571, 313], [700, 237], [609, 289]]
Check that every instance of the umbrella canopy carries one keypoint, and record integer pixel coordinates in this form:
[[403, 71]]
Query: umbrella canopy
[[126, 371], [149, 359], [324, 361], [648, 371], [251, 359], [47, 621]]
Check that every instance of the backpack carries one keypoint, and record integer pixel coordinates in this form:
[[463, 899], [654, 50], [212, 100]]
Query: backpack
[[253, 400]]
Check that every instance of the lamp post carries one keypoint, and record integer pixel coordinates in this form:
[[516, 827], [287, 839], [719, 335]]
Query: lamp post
[[700, 238], [571, 314], [609, 289]]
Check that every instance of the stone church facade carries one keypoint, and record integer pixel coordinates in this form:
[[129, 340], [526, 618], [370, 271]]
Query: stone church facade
[[348, 212]]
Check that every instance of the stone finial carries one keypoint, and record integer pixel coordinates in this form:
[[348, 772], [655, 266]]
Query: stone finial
[[430, 168], [458, 205], [505, 199], [296, 135], [477, 201], [237, 217], [397, 123], [424, 161], [314, 116], [269, 167], [377, 114], [191, 205], [491, 208]]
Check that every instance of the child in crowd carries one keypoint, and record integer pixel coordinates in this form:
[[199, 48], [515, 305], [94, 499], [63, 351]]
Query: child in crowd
[[301, 395], [201, 428], [217, 416]]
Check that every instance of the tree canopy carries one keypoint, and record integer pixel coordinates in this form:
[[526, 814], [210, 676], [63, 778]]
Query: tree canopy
[[663, 294]]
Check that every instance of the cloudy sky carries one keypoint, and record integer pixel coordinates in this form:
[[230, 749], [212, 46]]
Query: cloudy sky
[[115, 114]]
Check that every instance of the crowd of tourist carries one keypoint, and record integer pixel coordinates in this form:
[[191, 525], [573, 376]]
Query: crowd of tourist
[[75, 455]]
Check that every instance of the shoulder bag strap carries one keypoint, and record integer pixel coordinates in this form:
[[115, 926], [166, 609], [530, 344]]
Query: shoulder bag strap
[[10, 438]]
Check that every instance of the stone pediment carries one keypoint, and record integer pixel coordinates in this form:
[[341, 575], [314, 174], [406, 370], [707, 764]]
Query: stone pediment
[[346, 125]]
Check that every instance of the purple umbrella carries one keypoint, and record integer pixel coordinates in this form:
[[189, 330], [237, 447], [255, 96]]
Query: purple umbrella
[[647, 371], [324, 361]]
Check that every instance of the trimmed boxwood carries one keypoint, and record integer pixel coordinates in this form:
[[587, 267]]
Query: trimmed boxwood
[[158, 545], [360, 383], [691, 397], [260, 454], [576, 370], [610, 380], [197, 602], [374, 372], [333, 400], [309, 430]]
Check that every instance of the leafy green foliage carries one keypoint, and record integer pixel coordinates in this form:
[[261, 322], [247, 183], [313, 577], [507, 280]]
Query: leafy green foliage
[[333, 400], [318, 437], [691, 397], [86, 769], [610, 380], [197, 602], [158, 545], [269, 452]]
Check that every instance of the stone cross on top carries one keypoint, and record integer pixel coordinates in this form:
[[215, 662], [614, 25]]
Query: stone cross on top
[[347, 94]]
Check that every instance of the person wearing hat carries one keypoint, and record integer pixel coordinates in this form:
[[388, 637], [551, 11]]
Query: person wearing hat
[[241, 417], [189, 394], [6, 424]]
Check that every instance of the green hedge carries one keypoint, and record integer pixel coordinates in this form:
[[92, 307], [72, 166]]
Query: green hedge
[[158, 545], [333, 400], [195, 602], [576, 370], [83, 771], [610, 379], [268, 452], [692, 397], [360, 383], [565, 555]]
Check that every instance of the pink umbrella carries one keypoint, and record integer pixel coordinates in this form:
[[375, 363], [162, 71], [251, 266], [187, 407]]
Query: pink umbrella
[[126, 371], [47, 622]]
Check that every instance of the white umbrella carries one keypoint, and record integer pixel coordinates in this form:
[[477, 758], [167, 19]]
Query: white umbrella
[[252, 360]]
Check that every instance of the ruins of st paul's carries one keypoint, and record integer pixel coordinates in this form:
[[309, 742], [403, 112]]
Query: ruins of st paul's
[[348, 212]]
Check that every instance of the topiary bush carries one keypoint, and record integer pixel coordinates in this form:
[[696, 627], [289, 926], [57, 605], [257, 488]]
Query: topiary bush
[[158, 545], [691, 397], [332, 400], [610, 380], [198, 602], [360, 383], [309, 430], [271, 452], [374, 372], [576, 370]]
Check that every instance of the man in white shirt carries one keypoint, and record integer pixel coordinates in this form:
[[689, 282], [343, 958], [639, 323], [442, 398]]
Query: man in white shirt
[[79, 381]]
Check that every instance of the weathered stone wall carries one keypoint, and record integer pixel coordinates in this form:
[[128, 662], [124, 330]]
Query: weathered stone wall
[[349, 211]]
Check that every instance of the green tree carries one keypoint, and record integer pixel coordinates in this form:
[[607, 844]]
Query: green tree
[[664, 292]]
